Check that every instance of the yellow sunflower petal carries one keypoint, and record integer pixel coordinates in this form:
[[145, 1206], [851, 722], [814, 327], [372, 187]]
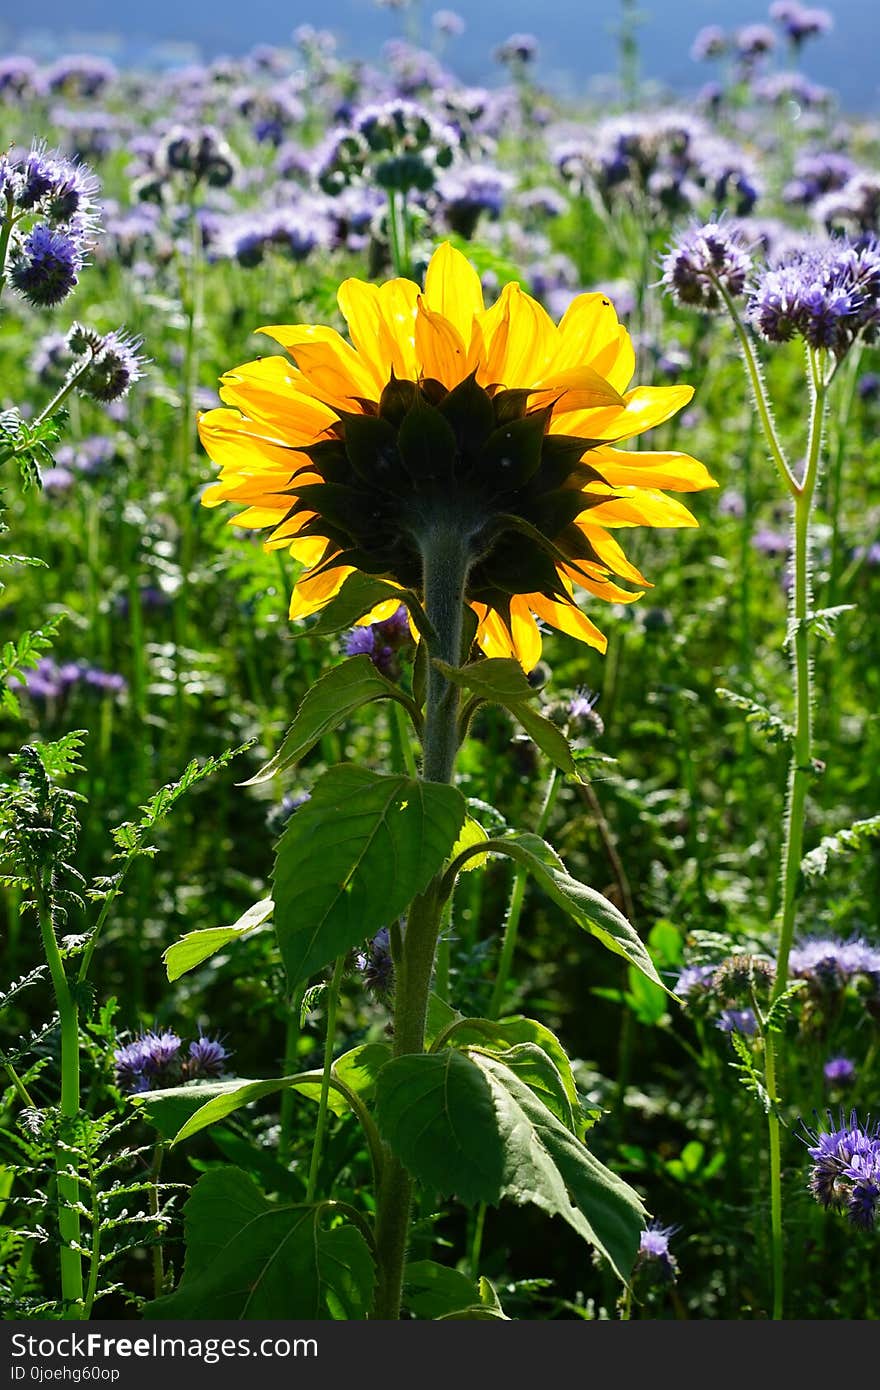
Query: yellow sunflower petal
[[312, 593], [586, 329], [267, 392], [641, 507], [381, 322], [439, 346], [567, 617], [645, 468], [521, 339], [644, 407], [453, 289], [329, 364], [524, 632], [610, 552]]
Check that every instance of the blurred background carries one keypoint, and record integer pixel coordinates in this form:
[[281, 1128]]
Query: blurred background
[[579, 38]]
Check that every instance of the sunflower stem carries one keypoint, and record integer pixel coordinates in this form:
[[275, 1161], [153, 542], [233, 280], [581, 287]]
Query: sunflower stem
[[445, 561]]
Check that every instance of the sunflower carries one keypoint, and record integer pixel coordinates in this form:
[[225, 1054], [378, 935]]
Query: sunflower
[[496, 423]]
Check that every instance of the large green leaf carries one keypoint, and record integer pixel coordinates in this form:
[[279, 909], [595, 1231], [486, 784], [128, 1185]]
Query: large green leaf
[[466, 1123], [353, 858], [247, 1258], [198, 946], [499, 1035], [171, 1109], [587, 907], [501, 681], [328, 703], [540, 1073], [437, 1114], [549, 1167]]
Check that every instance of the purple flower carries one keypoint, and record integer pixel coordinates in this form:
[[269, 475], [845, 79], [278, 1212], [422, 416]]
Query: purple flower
[[449, 23], [731, 503], [770, 542], [845, 1174], [206, 1057], [517, 50], [737, 1021], [831, 964], [116, 362], [706, 260], [825, 292], [150, 1062], [839, 1071], [799, 23], [19, 77], [655, 1259], [45, 266], [710, 42], [79, 75], [855, 207], [868, 387], [753, 41], [468, 192], [694, 979]]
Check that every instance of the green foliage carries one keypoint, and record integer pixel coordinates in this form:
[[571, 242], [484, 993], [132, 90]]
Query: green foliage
[[132, 837], [22, 655], [329, 702], [816, 863], [247, 1258], [501, 681], [29, 443], [334, 883], [464, 1122], [773, 727], [584, 905], [198, 946]]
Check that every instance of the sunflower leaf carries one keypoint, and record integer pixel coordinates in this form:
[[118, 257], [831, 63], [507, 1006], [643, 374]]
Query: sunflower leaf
[[326, 705], [501, 681], [353, 858]]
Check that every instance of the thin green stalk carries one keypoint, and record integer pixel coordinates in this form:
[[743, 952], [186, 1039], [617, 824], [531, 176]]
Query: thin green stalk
[[800, 773], [394, 234], [192, 307], [318, 1145], [515, 906], [21, 1090], [158, 1261], [445, 560], [68, 1183], [759, 391]]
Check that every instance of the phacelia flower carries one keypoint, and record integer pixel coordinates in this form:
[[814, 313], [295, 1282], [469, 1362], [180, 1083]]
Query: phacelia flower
[[800, 23], [839, 1071], [694, 980], [737, 1021], [45, 266], [150, 1062], [116, 363], [710, 42], [207, 1057], [655, 1260], [825, 292], [830, 964], [705, 261], [496, 423], [845, 1173]]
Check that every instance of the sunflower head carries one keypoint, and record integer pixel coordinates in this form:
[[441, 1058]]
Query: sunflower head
[[494, 424]]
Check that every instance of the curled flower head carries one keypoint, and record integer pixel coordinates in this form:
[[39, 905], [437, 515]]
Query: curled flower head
[[494, 423], [45, 266], [116, 362], [798, 22], [845, 1172], [152, 1060], [828, 293], [705, 261], [737, 1021], [207, 1057], [710, 42]]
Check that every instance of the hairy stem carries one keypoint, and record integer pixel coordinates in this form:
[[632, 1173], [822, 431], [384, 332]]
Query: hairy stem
[[445, 565], [68, 1182]]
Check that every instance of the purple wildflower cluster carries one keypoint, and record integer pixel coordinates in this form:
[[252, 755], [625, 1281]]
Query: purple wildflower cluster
[[666, 162], [828, 293], [154, 1060], [382, 642], [50, 680], [830, 964], [705, 261], [399, 144], [48, 203], [845, 1173]]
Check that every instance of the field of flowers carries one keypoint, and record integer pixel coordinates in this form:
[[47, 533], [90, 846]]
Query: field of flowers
[[439, 679]]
